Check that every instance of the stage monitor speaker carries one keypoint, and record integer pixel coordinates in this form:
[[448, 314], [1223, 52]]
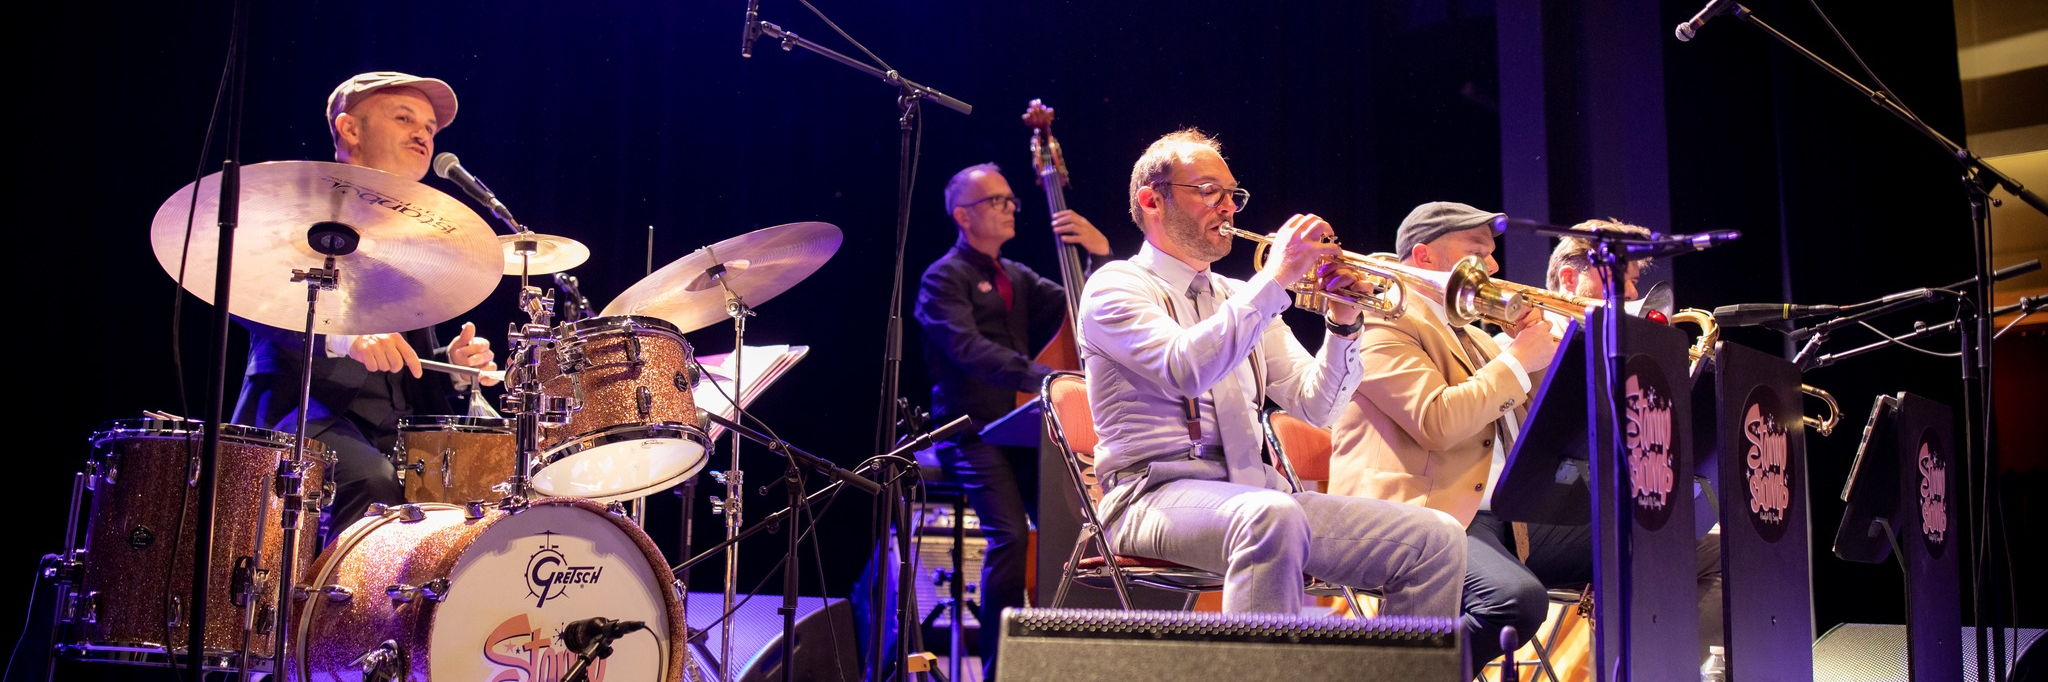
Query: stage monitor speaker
[[825, 645], [1084, 645], [1866, 652]]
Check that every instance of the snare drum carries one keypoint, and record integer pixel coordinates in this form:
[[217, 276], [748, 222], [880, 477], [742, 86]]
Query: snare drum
[[473, 592], [633, 430], [141, 528], [452, 458]]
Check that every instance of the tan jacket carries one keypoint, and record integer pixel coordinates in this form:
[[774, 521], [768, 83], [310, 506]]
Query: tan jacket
[[1420, 428]]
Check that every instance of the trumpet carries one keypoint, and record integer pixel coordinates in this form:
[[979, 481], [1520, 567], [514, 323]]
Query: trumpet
[[1470, 294], [1376, 286]]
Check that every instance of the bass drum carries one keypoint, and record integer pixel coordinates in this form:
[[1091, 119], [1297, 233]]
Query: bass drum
[[473, 592]]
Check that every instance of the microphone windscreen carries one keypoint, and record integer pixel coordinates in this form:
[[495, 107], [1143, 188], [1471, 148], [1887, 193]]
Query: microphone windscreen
[[443, 162]]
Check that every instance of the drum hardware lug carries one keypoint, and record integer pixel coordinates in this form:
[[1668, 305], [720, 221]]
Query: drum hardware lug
[[643, 400], [266, 619], [242, 581], [385, 663], [635, 354], [85, 608], [473, 510], [108, 470], [411, 513], [64, 570], [571, 358], [686, 379], [615, 508], [447, 467], [376, 509], [334, 593], [433, 590]]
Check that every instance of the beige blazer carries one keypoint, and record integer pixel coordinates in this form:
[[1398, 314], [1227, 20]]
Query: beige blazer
[[1420, 428]]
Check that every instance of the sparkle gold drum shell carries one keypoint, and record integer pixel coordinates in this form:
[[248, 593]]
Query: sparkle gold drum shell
[[476, 592], [453, 458], [633, 429], [142, 524]]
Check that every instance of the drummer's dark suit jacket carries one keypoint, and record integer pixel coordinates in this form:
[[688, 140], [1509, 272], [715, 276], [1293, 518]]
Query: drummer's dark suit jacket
[[341, 386]]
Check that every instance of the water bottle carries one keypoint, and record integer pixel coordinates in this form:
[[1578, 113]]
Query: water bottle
[[1716, 667]]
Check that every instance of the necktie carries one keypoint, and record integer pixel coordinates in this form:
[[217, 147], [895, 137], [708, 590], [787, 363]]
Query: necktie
[[1002, 281], [1235, 425]]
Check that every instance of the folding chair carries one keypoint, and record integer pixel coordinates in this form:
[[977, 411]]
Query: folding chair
[[1071, 425], [1302, 452]]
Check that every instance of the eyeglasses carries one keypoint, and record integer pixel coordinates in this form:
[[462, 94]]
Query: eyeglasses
[[999, 202], [1212, 194]]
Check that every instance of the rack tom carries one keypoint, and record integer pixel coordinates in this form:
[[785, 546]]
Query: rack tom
[[633, 428]]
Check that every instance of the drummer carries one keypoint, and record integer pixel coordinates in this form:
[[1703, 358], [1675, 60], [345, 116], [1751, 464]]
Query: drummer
[[363, 384]]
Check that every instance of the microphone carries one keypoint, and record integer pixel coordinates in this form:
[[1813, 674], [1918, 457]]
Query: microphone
[[751, 30], [1752, 314], [1714, 8], [1678, 244], [578, 303], [579, 635], [450, 169]]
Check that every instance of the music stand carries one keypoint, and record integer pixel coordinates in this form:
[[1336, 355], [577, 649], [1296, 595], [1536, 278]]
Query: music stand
[[1899, 502], [1761, 461], [1544, 479]]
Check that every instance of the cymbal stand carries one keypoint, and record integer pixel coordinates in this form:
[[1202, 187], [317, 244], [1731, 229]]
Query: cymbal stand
[[523, 398], [732, 505], [332, 240]]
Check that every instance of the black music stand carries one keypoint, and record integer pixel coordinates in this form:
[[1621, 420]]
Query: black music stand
[[1544, 479], [1899, 501], [1757, 448], [1644, 568]]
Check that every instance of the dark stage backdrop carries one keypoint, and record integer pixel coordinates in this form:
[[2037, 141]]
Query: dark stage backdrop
[[600, 120]]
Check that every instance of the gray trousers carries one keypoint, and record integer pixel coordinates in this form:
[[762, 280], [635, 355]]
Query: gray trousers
[[1263, 541]]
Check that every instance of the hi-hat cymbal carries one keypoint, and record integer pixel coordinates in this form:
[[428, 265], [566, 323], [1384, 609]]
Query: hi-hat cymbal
[[545, 254], [423, 257], [758, 266]]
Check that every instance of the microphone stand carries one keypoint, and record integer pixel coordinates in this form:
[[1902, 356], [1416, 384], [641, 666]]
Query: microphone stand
[[2026, 305], [910, 95], [216, 376], [1978, 180], [1817, 334], [598, 649]]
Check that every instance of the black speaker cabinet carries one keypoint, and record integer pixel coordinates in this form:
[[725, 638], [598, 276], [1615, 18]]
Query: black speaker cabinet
[[1865, 652], [826, 650], [1083, 645]]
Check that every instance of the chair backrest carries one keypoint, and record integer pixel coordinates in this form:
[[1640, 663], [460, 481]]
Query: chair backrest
[[1071, 425], [1303, 448]]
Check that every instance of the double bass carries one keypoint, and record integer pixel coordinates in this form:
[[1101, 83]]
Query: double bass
[[1051, 167]]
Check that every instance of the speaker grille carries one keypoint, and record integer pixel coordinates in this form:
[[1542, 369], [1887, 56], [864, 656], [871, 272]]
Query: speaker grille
[[1261, 628]]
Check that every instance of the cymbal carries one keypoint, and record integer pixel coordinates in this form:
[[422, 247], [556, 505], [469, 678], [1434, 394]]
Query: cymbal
[[423, 258], [759, 265], [549, 254]]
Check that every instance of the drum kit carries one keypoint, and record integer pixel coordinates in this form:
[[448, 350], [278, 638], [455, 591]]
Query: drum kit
[[512, 556]]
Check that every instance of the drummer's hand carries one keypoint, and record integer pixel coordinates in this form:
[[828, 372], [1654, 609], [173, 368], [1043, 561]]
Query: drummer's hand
[[385, 353], [1074, 229], [470, 351]]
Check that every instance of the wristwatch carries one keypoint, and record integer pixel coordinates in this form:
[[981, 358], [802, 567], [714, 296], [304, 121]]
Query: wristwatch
[[1344, 329]]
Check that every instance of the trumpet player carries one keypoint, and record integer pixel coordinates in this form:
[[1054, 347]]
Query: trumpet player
[[1433, 421], [1179, 361]]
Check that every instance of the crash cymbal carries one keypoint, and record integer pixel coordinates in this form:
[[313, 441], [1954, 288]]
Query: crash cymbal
[[423, 257], [547, 254], [758, 266]]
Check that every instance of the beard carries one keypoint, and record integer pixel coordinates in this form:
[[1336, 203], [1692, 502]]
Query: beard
[[1192, 238]]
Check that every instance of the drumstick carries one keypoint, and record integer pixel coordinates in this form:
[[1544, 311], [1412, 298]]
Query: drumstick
[[471, 372]]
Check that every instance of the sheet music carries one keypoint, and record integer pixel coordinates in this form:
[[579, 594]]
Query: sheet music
[[762, 365]]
